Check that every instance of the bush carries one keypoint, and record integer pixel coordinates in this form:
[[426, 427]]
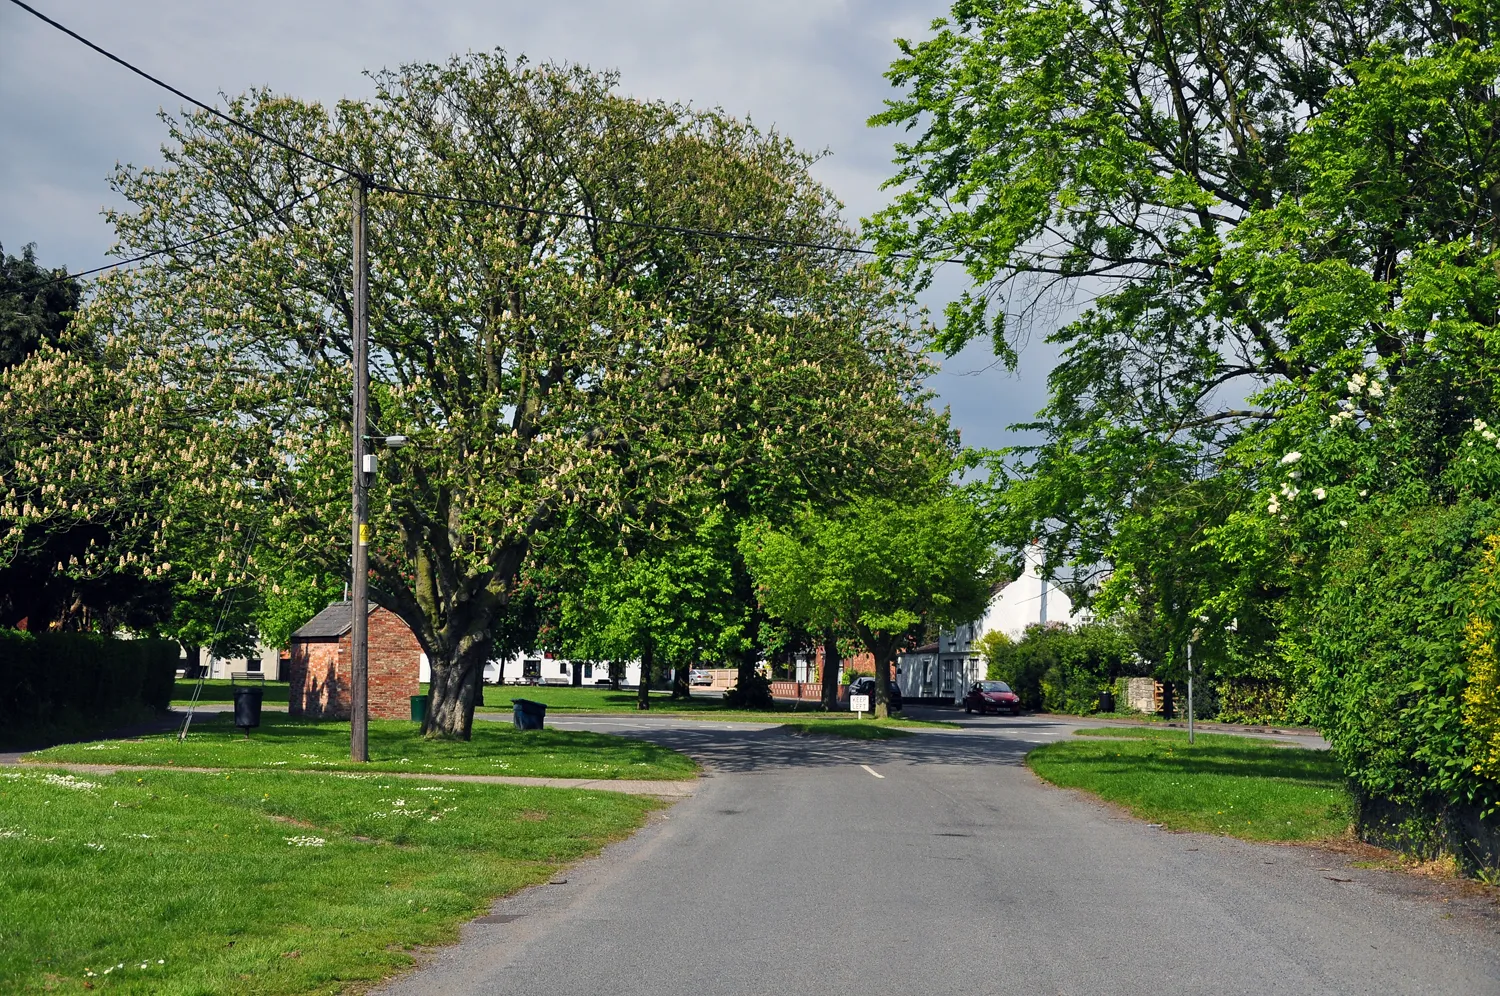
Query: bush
[[1061, 668], [753, 692], [1404, 615], [52, 677]]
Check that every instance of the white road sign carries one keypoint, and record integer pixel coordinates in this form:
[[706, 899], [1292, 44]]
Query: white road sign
[[859, 703]]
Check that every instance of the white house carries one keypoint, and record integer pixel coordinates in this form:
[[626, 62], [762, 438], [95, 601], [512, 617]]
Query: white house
[[945, 669], [549, 670], [265, 661]]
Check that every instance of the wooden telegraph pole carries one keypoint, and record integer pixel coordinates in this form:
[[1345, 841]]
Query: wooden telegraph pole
[[359, 581]]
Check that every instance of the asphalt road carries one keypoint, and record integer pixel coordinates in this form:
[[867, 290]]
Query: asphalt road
[[939, 864]]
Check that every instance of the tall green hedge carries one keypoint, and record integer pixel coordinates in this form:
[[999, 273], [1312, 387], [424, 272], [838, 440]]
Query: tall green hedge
[[1382, 659], [48, 676]]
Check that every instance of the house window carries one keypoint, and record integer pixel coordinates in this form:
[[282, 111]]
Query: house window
[[588, 670], [562, 667]]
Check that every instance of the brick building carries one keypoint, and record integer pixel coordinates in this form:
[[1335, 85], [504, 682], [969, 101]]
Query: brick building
[[318, 669]]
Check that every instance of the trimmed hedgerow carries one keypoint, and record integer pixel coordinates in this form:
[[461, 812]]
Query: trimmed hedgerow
[[1386, 656], [48, 676]]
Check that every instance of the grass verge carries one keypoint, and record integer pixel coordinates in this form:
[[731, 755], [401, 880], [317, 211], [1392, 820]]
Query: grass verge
[[295, 743], [175, 883], [568, 699], [1245, 787], [870, 729]]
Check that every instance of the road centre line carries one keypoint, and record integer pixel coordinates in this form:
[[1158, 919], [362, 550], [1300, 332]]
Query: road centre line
[[872, 771]]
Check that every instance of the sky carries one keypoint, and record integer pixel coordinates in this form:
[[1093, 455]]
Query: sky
[[812, 69]]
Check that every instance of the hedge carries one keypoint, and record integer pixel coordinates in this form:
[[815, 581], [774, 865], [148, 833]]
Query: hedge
[[1386, 662], [50, 676], [1060, 668]]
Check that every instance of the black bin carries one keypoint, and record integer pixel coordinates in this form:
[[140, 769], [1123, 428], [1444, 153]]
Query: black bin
[[528, 715], [247, 707]]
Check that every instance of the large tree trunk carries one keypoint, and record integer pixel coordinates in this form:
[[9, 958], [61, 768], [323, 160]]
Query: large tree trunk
[[680, 687], [883, 648], [577, 670], [832, 669], [454, 691], [616, 672], [643, 694]]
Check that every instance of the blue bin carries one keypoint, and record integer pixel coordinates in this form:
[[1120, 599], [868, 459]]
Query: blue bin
[[528, 715]]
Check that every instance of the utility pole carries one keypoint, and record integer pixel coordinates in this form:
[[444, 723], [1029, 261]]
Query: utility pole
[[1190, 689], [359, 581]]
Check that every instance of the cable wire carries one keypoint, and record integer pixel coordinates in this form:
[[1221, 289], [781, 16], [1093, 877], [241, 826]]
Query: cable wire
[[374, 184], [191, 100], [274, 213]]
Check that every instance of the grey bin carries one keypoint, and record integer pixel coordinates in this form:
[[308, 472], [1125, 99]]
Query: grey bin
[[528, 715], [247, 707]]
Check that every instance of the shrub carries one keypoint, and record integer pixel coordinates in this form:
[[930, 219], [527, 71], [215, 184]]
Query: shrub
[[1399, 640], [47, 677], [1061, 668], [753, 692]]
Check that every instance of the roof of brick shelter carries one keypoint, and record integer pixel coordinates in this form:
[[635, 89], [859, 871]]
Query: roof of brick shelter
[[331, 623]]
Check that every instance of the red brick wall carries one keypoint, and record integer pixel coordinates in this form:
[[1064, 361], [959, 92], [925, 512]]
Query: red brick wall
[[395, 662], [319, 679], [863, 662], [319, 672]]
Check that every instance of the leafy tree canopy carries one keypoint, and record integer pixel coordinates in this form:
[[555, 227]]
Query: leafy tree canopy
[[880, 567], [548, 359]]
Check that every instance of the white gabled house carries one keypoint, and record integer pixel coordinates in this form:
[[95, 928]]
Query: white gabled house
[[532, 667], [945, 669]]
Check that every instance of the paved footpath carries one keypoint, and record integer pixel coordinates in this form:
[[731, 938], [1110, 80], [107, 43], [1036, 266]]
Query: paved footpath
[[937, 864]]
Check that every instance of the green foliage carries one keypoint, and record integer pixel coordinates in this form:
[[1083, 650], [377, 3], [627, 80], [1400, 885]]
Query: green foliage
[[752, 691], [1285, 213], [545, 365], [36, 306], [880, 567], [1059, 668], [1481, 707], [53, 677], [1383, 655]]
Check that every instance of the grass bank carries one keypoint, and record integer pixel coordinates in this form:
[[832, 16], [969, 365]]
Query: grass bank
[[295, 743], [1245, 787], [175, 883], [869, 729]]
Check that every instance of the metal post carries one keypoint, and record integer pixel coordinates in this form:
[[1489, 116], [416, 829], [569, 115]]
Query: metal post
[[359, 715], [1190, 690]]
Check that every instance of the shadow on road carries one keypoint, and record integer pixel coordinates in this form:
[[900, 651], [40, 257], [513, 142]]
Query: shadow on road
[[748, 751]]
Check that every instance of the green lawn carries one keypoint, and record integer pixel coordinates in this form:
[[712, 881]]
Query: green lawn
[[180, 884], [869, 729], [218, 690], [286, 742], [584, 699], [1251, 788]]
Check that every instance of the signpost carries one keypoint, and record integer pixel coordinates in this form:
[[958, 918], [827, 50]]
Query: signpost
[[859, 704]]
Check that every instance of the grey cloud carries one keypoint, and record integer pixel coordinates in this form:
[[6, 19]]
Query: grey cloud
[[813, 69]]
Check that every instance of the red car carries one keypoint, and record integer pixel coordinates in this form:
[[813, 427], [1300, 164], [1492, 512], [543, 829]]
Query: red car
[[992, 696]]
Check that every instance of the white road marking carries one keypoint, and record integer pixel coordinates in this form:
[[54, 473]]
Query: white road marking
[[872, 771]]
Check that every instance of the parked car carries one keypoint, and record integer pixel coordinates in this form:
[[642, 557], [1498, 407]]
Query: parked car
[[866, 686], [697, 677], [992, 696]]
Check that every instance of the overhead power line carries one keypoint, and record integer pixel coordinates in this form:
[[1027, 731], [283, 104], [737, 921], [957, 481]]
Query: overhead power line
[[714, 233], [258, 133], [166, 250]]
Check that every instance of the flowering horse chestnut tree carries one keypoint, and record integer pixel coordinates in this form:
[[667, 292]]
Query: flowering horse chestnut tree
[[549, 327]]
